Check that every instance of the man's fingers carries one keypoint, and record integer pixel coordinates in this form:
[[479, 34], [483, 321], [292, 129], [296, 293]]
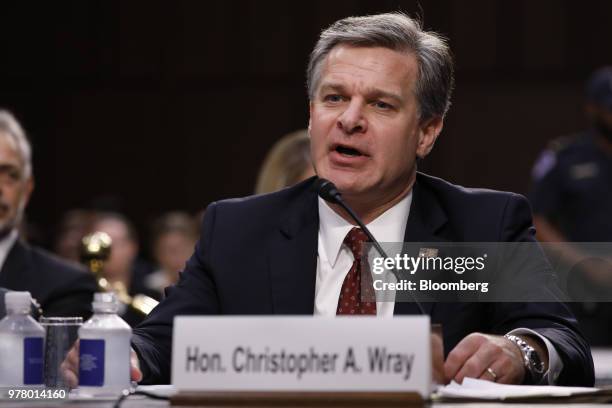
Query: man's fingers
[[461, 353], [73, 355], [503, 370], [491, 373], [478, 362], [70, 366], [135, 373], [70, 377], [477, 352], [510, 370]]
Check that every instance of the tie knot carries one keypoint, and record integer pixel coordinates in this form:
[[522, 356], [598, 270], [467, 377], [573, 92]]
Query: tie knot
[[354, 241]]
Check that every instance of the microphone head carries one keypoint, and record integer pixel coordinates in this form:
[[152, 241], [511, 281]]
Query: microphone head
[[328, 191]]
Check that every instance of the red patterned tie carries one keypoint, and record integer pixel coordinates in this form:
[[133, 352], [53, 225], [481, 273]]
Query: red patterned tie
[[350, 301]]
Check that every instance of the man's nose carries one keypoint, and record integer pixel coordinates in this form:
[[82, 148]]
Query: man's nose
[[352, 120]]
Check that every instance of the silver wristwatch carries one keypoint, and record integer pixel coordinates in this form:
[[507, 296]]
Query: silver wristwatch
[[534, 366]]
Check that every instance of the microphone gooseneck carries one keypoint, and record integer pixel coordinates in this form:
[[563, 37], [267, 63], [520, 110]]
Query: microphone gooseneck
[[328, 191]]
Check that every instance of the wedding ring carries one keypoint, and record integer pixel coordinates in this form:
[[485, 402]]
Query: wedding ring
[[490, 371]]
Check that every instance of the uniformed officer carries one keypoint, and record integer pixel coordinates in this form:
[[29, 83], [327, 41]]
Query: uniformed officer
[[572, 194]]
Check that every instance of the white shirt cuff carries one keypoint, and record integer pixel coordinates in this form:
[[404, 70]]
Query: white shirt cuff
[[555, 365]]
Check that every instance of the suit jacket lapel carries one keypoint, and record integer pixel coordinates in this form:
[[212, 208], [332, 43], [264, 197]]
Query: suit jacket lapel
[[425, 220], [12, 274], [293, 250], [293, 257]]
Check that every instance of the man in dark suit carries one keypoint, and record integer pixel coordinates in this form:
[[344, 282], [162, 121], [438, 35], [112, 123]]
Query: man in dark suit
[[379, 88], [60, 288], [270, 268]]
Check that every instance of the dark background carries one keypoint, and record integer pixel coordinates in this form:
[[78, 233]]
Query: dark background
[[173, 104]]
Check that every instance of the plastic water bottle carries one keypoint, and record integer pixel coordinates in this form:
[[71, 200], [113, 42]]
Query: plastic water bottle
[[104, 350], [21, 344]]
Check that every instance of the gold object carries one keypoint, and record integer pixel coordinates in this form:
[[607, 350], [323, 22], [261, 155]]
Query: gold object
[[428, 252], [95, 250], [490, 371]]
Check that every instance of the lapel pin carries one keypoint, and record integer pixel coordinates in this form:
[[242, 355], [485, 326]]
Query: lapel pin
[[428, 252]]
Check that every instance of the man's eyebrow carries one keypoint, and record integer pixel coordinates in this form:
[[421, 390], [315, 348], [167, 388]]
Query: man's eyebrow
[[373, 93], [8, 167], [379, 93], [333, 87]]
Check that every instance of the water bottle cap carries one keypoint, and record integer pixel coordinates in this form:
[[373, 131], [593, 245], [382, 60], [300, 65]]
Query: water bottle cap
[[18, 300], [105, 297], [105, 301]]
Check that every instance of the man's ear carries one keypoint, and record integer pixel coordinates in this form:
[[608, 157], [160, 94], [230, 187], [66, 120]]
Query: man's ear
[[428, 133], [310, 107]]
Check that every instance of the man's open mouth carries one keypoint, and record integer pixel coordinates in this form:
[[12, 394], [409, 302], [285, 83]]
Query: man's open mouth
[[348, 151]]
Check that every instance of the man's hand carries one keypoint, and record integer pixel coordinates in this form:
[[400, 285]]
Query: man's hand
[[478, 352], [70, 366]]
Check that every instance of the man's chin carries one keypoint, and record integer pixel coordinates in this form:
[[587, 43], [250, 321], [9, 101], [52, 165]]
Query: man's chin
[[350, 187]]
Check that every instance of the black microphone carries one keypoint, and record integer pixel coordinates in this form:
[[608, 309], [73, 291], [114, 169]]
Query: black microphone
[[328, 191]]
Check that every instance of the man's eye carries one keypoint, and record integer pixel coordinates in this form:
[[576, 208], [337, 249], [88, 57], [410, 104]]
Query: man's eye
[[9, 175], [333, 98], [383, 105]]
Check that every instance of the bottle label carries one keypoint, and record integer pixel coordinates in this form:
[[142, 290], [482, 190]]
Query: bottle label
[[91, 363], [32, 360]]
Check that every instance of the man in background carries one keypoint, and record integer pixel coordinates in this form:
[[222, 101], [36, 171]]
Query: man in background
[[61, 289], [572, 199], [124, 269], [174, 236]]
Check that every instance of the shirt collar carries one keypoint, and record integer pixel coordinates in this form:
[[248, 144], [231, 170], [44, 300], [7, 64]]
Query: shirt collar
[[390, 226], [6, 244]]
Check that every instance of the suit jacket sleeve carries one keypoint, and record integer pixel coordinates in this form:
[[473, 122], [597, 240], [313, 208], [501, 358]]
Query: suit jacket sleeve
[[194, 294], [553, 319]]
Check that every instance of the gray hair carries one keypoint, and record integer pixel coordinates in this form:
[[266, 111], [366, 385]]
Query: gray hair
[[10, 126], [398, 32]]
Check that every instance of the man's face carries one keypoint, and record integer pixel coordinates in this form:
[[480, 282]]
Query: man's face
[[364, 122], [172, 250], [15, 187], [123, 250], [601, 118]]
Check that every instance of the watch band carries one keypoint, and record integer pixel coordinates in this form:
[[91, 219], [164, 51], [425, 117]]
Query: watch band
[[534, 366]]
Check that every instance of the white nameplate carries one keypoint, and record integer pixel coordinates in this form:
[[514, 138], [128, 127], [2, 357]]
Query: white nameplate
[[305, 353]]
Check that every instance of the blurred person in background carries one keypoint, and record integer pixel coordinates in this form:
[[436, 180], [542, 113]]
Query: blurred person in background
[[61, 289], [572, 200], [123, 265], [74, 225], [173, 239], [287, 163]]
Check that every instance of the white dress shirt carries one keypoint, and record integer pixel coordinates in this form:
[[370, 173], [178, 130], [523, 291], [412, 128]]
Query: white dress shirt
[[6, 245], [334, 260]]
